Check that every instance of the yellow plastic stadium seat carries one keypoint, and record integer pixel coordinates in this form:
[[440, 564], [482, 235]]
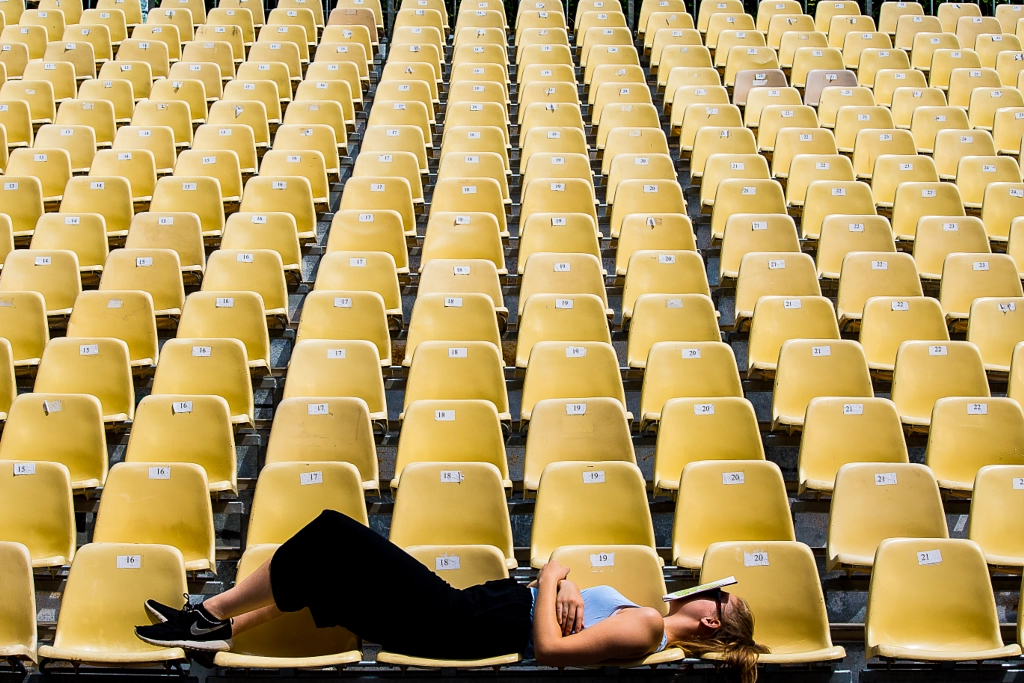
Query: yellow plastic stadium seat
[[256, 270], [939, 236], [92, 628], [838, 431], [462, 370], [889, 321], [363, 271], [235, 314], [60, 428], [610, 495], [170, 504], [361, 229], [156, 271], [54, 274], [779, 318], [346, 315], [247, 112], [888, 81], [207, 366], [974, 174], [51, 166], [378, 192], [125, 315], [564, 370], [38, 511], [451, 431], [951, 145], [971, 432], [189, 429], [451, 276], [841, 234], [665, 232], [750, 505], [78, 140], [696, 429], [555, 317], [312, 430], [772, 273], [91, 365], [109, 196], [669, 318], [916, 200], [291, 194], [927, 121], [656, 195], [23, 202], [83, 234], [289, 641], [23, 324], [290, 495], [554, 194], [274, 230], [687, 369], [868, 274], [650, 270], [137, 165], [567, 233], [995, 515], [452, 503], [18, 639], [561, 430], [809, 368], [553, 273], [753, 232], [995, 328], [966, 277], [400, 164], [323, 367], [875, 501], [468, 317], [780, 583], [237, 138], [926, 371], [746, 196], [950, 577]]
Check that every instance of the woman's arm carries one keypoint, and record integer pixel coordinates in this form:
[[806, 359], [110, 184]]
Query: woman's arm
[[631, 633]]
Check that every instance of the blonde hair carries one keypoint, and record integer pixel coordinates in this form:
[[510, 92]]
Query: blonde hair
[[734, 640]]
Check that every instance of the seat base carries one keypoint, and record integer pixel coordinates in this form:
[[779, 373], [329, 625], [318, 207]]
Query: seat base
[[168, 654], [915, 654], [824, 654], [235, 660], [404, 661]]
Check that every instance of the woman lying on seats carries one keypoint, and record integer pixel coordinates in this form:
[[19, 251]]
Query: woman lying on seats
[[384, 595]]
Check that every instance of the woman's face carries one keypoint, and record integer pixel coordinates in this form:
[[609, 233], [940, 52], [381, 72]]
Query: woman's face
[[699, 615]]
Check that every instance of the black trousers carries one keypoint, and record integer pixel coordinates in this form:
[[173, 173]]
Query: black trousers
[[384, 595]]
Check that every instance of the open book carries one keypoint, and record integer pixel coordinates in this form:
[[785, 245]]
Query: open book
[[702, 588]]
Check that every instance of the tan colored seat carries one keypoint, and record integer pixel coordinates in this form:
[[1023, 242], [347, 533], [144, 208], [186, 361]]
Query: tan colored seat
[[696, 429], [570, 370], [207, 366], [38, 512], [780, 583], [995, 515], [325, 367], [810, 368], [772, 273], [888, 321], [938, 370], [611, 496], [950, 576], [838, 431], [738, 500], [868, 274], [875, 501], [126, 315], [313, 430], [686, 369], [968, 433]]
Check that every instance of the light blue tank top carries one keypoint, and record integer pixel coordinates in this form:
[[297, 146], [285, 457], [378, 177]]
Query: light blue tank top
[[599, 603]]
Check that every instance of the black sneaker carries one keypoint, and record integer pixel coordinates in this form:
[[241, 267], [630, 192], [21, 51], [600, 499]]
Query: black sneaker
[[186, 628]]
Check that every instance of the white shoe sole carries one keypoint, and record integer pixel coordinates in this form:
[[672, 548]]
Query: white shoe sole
[[200, 645], [156, 615]]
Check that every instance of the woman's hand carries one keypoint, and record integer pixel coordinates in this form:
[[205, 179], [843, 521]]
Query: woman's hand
[[569, 607], [552, 573]]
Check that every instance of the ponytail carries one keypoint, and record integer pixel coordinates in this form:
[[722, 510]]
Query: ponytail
[[734, 641]]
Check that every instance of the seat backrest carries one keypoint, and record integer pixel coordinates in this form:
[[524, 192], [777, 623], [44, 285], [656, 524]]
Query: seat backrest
[[166, 504], [322, 367], [841, 430], [737, 500], [996, 511], [125, 315], [62, 428], [875, 501], [675, 369], [89, 620], [325, 430], [611, 496], [971, 432], [443, 503], [38, 511], [460, 370], [207, 366], [780, 583], [950, 577], [452, 431], [18, 606], [90, 365], [926, 371], [290, 495], [571, 370], [809, 368]]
